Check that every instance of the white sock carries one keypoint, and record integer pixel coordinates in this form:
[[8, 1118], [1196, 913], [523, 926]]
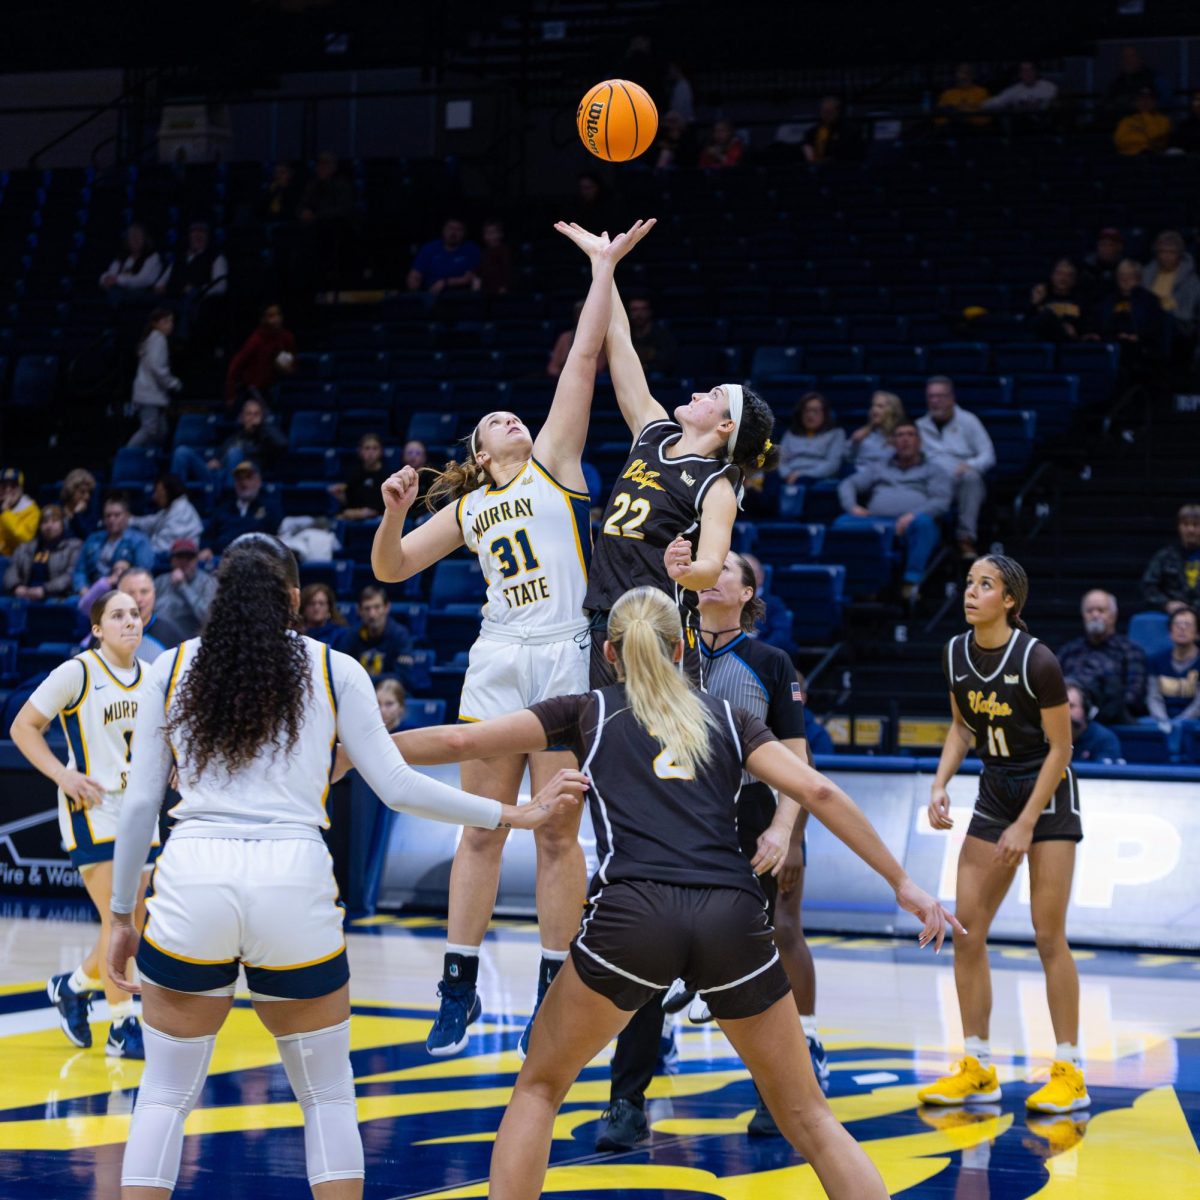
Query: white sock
[[980, 1049], [81, 981], [119, 1011], [465, 951], [555, 955], [1068, 1052], [808, 1022]]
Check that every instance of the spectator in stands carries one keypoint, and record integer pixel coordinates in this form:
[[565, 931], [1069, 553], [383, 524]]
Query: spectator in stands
[[382, 645], [775, 625], [19, 513], [832, 138], [329, 195], [813, 446], [1029, 94], [200, 273], [1091, 741], [1098, 275], [1172, 578], [78, 492], [450, 261], [42, 567], [393, 703], [1108, 664], [248, 510], [256, 437], [911, 490], [1130, 313], [680, 97], [871, 443], [267, 356], [655, 347], [494, 277], [957, 440], [1145, 130], [1057, 309], [281, 198], [176, 516], [960, 105], [1173, 680], [1186, 137], [1172, 278], [154, 382], [185, 593], [562, 347], [320, 614], [157, 634], [1133, 80], [360, 495], [723, 149], [114, 548], [675, 145], [131, 276]]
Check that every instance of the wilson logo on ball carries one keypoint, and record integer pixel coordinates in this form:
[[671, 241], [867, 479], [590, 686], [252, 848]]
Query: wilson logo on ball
[[617, 120]]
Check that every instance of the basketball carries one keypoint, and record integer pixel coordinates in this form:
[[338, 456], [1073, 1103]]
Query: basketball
[[617, 120]]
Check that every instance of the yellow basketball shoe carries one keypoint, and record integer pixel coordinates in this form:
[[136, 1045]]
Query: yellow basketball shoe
[[1054, 1133], [1066, 1091], [968, 1083]]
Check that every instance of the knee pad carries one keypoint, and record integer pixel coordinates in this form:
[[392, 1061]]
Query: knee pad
[[171, 1083], [318, 1068]]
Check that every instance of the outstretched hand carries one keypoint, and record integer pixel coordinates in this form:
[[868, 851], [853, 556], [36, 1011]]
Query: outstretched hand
[[598, 246], [931, 914], [563, 792]]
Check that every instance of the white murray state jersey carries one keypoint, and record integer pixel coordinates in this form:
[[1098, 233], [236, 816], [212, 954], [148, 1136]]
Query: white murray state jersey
[[279, 787], [97, 704], [533, 537]]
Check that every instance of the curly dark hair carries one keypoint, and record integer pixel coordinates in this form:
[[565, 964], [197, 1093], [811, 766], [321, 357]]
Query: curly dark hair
[[250, 679], [758, 423]]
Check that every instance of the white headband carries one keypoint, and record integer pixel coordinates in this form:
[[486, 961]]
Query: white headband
[[734, 392], [474, 434]]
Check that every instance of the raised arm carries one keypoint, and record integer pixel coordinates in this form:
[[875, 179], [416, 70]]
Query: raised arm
[[791, 777], [395, 555], [719, 512], [559, 445], [637, 406]]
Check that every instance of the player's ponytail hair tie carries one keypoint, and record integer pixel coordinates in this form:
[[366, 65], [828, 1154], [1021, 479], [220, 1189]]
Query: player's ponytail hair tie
[[761, 460], [733, 392]]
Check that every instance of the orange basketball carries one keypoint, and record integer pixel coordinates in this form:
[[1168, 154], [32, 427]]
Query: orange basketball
[[617, 120]]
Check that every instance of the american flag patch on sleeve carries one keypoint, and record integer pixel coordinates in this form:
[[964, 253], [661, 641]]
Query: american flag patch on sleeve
[[797, 693]]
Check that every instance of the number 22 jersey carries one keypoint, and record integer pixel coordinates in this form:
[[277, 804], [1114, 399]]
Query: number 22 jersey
[[656, 500]]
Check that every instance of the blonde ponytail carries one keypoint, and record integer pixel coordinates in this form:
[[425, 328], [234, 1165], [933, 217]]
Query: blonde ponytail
[[644, 629]]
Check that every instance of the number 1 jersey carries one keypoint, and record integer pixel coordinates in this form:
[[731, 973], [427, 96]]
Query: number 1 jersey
[[533, 538]]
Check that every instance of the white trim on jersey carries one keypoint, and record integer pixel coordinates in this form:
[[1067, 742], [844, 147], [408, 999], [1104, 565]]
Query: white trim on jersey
[[587, 762], [1025, 667], [1012, 641], [737, 742]]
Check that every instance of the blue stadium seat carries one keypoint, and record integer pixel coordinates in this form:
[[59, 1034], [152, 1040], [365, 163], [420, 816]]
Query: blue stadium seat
[[804, 330], [356, 538], [846, 393], [1031, 356], [1143, 744], [418, 714], [362, 364], [984, 391], [457, 581], [879, 329], [453, 629], [1013, 433], [413, 616], [420, 670], [791, 501], [33, 381], [36, 662], [315, 430], [1149, 630], [769, 362], [814, 593], [1053, 397], [1096, 365], [895, 358], [338, 574], [308, 395], [201, 431], [958, 358], [821, 501], [354, 423], [787, 541], [312, 367], [367, 394], [433, 428], [866, 554], [135, 464], [9, 673], [833, 360]]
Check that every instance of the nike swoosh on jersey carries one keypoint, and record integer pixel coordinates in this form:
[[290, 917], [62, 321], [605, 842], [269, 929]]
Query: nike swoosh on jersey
[[959, 678]]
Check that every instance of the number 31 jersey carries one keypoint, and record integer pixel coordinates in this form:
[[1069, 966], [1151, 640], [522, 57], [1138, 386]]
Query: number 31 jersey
[[656, 500], [533, 537]]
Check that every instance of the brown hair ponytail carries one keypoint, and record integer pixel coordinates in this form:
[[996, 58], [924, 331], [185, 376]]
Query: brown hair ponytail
[[1016, 585]]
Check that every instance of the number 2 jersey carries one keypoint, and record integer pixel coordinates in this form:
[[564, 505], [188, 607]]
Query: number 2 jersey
[[656, 500], [533, 538], [1001, 693]]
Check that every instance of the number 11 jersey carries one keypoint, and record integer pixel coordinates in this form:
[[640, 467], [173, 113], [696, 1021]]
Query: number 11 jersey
[[533, 539]]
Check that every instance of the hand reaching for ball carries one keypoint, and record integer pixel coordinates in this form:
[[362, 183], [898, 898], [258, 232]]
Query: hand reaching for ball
[[400, 490], [598, 246]]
